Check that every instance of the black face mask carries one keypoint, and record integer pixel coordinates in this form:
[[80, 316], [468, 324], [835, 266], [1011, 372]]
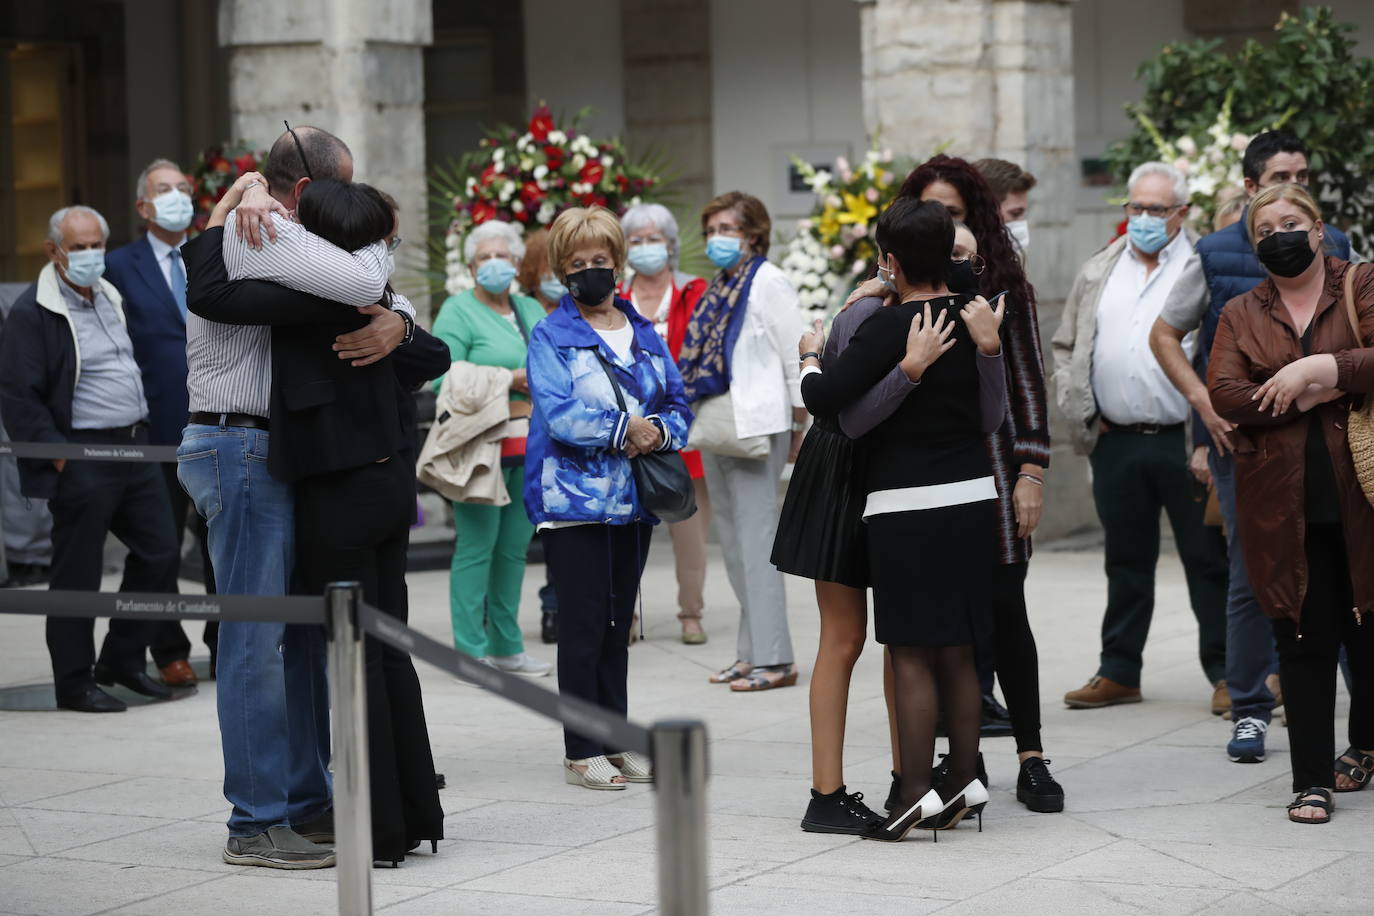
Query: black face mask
[[962, 279], [591, 286], [1285, 254]]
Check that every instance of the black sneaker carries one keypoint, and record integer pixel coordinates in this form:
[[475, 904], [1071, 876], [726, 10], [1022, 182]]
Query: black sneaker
[[838, 812], [1036, 788], [548, 629], [940, 773]]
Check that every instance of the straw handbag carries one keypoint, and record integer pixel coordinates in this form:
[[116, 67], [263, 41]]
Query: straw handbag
[[1360, 428]]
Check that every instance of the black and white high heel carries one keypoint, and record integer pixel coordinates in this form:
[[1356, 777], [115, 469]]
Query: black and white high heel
[[972, 800], [899, 823]]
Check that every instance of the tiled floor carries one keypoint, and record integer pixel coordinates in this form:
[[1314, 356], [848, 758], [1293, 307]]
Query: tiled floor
[[123, 814]]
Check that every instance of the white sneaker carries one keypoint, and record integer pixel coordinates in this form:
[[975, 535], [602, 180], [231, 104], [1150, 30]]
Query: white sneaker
[[523, 664]]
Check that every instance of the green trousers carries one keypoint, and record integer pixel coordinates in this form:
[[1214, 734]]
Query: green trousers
[[488, 570], [1135, 476]]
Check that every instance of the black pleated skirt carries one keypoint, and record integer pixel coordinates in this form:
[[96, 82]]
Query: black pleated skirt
[[821, 532]]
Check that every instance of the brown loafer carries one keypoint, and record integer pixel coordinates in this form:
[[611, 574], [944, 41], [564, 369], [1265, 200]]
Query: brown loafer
[[1101, 691], [178, 674], [1221, 700]]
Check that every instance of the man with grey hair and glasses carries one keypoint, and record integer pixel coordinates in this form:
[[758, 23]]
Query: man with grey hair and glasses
[[68, 374], [150, 275], [1127, 417]]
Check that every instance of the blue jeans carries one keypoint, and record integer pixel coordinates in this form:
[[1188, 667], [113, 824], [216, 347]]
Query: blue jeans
[[272, 692], [1250, 655]]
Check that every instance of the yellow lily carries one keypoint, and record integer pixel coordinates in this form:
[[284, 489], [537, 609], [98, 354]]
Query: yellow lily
[[857, 209]]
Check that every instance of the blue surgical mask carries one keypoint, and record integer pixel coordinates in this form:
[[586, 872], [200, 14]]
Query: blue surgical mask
[[724, 251], [1148, 233], [173, 211], [84, 268], [550, 288], [650, 258], [390, 263], [494, 275]]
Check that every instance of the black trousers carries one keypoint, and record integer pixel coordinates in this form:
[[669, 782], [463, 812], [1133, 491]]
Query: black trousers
[[595, 571], [167, 640], [1135, 476], [1307, 664], [1018, 663], [95, 499], [355, 525]]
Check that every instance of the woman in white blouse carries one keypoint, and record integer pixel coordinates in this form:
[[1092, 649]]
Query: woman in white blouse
[[737, 369]]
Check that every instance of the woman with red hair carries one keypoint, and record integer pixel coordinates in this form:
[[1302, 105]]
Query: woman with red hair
[[1020, 452]]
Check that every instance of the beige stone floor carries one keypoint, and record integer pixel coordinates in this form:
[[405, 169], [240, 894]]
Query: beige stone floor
[[123, 814]]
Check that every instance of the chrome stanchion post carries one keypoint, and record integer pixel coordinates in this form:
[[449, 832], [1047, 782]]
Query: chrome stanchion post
[[679, 752], [348, 712]]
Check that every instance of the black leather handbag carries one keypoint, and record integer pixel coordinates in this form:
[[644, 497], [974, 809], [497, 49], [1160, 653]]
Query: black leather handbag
[[664, 485]]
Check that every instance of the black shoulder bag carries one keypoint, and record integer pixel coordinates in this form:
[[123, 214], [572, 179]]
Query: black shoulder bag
[[665, 487]]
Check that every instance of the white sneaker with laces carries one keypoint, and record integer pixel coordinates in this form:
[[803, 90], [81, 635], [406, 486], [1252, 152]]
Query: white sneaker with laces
[[523, 664]]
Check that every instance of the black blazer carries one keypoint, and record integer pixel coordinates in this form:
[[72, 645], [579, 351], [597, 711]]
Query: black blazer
[[327, 415]]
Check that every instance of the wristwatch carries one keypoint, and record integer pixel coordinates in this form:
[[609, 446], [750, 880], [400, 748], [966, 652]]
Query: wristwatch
[[410, 326], [809, 354]]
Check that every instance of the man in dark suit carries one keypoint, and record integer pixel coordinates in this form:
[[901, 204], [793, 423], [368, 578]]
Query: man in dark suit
[[151, 276]]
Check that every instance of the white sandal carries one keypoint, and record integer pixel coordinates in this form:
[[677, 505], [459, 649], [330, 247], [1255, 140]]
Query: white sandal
[[634, 767], [598, 775]]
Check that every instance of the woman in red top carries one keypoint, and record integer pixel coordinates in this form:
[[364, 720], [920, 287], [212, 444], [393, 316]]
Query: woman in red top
[[666, 296]]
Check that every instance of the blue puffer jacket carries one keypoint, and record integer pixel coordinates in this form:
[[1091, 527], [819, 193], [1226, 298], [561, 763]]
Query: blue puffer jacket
[[575, 469], [1232, 269]]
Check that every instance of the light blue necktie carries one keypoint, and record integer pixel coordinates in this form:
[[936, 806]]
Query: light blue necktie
[[178, 282]]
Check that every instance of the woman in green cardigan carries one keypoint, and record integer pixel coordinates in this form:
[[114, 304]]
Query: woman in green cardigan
[[490, 326]]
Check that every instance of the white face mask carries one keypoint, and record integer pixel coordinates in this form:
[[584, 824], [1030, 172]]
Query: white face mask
[[1020, 233], [390, 263], [173, 210]]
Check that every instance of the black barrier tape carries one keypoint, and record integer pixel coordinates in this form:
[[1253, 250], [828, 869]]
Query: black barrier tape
[[578, 715], [86, 451], [246, 608]]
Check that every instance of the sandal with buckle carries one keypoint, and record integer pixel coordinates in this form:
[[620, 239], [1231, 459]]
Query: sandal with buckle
[[764, 679], [634, 767], [733, 673], [1358, 772], [1315, 797], [598, 775]]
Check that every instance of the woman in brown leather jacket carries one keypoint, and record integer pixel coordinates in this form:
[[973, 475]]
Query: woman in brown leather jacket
[[1285, 368]]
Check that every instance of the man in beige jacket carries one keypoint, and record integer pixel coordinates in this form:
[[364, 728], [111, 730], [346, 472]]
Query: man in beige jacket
[[1128, 419]]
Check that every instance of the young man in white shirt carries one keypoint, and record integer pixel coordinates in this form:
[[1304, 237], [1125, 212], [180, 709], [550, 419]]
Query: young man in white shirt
[[1129, 419]]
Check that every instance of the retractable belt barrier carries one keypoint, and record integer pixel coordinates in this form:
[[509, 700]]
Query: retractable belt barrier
[[678, 748], [88, 451]]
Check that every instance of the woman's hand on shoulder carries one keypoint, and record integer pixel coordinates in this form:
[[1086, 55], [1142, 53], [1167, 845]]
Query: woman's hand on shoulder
[[926, 341], [870, 287], [985, 324]]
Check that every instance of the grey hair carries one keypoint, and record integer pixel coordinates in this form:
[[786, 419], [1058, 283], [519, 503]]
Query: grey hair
[[642, 216], [141, 189], [494, 229], [55, 222], [1168, 171]]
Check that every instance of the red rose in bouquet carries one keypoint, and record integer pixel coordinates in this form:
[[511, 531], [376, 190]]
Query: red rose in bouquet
[[541, 124]]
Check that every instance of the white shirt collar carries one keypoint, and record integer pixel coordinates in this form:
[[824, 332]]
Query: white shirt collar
[[161, 249]]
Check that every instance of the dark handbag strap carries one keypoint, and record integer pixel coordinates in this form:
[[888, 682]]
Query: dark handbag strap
[[520, 323], [615, 384]]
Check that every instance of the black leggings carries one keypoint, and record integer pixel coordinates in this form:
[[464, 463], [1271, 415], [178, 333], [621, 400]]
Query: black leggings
[[1018, 664], [1307, 666]]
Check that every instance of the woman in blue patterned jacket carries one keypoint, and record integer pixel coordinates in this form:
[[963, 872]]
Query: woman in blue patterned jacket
[[579, 489]]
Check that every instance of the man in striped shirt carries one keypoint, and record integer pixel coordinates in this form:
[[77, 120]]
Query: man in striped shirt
[[272, 696]]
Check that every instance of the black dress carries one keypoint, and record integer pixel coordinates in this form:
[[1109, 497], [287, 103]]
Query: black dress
[[931, 502], [820, 531]]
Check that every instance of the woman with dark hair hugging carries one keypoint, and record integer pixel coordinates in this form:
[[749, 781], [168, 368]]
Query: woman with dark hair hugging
[[339, 439], [930, 508]]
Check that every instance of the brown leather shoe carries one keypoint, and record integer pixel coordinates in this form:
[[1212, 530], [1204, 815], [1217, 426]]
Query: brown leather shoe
[[178, 674], [1221, 700], [1099, 692]]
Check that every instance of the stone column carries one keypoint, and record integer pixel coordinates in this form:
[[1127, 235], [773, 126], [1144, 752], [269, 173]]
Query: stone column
[[991, 78], [352, 67]]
